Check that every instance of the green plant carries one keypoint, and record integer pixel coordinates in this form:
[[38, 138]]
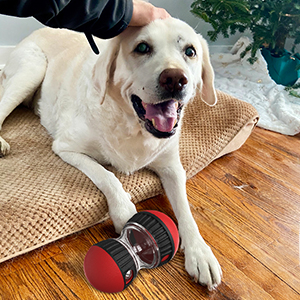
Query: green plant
[[292, 90], [270, 21]]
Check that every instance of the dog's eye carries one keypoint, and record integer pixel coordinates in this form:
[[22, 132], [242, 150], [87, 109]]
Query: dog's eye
[[190, 51], [142, 48]]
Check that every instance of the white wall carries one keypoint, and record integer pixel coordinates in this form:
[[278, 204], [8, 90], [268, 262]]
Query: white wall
[[181, 9], [13, 30]]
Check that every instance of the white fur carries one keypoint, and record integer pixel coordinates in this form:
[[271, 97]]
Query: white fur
[[84, 101]]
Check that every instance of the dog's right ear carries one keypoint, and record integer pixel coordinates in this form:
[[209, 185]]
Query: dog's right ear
[[208, 92], [103, 69]]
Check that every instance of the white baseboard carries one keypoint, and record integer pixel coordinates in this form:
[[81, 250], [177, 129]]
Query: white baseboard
[[219, 48]]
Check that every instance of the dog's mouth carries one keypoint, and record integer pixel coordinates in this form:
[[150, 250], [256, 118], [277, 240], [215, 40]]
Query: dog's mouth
[[161, 119]]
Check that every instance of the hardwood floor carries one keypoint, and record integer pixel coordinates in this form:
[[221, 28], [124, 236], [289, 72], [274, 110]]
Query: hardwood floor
[[247, 207]]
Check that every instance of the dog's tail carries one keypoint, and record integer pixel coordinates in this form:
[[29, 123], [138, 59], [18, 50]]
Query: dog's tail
[[4, 146], [1, 88]]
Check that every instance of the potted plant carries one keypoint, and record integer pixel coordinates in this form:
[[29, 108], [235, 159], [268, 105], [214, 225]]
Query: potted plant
[[271, 22]]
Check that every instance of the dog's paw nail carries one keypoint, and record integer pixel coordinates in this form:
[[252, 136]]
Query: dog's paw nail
[[202, 265], [4, 147]]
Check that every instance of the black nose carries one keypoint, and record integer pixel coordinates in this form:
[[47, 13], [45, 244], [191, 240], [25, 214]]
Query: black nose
[[173, 80]]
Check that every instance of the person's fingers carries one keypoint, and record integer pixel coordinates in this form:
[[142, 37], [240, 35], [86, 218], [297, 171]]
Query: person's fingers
[[161, 13], [144, 13]]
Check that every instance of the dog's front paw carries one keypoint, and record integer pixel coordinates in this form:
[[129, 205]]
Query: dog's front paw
[[4, 147], [122, 212], [202, 265]]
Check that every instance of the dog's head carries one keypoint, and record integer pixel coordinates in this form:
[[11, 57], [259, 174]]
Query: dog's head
[[158, 69]]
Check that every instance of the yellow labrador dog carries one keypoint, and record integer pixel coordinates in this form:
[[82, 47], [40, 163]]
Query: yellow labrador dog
[[123, 107]]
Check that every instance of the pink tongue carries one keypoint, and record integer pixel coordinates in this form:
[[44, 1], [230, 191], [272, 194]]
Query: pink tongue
[[163, 114]]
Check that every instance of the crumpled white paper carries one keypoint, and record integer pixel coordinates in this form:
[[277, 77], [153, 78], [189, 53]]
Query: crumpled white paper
[[278, 110]]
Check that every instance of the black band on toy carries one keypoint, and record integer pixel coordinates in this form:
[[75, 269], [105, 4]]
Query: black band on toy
[[160, 232]]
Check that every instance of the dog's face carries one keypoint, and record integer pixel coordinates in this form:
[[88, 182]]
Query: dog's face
[[159, 68]]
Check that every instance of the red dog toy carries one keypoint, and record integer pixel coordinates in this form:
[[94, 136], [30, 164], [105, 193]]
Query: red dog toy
[[148, 240]]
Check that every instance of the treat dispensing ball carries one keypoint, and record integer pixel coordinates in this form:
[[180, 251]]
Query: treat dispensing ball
[[148, 240]]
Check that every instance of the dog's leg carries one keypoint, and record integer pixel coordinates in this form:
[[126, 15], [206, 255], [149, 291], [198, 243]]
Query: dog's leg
[[20, 78], [121, 209], [200, 262]]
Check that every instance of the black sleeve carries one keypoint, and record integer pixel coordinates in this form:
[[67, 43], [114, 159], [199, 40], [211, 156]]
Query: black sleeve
[[102, 18]]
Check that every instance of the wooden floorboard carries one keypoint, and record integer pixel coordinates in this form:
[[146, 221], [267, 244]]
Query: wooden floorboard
[[247, 207]]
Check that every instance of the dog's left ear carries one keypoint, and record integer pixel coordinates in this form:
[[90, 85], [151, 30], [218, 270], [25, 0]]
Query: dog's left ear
[[208, 92], [104, 67]]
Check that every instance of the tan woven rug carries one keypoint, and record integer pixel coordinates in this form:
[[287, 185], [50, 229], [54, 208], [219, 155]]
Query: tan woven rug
[[43, 199]]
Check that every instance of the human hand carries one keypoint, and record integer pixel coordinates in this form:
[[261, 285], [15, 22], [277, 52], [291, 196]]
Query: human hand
[[144, 13]]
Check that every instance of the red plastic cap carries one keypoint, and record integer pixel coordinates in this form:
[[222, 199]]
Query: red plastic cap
[[170, 225], [102, 271]]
